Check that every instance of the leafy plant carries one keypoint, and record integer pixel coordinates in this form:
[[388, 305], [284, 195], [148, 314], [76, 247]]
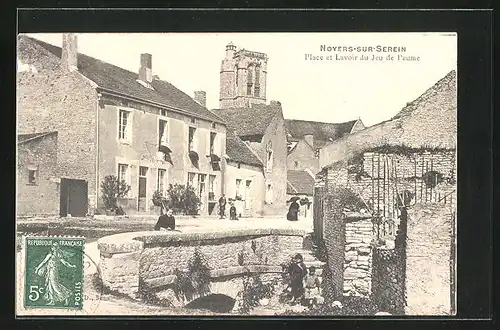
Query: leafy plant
[[253, 291], [158, 198], [351, 305], [195, 282], [183, 199], [348, 199], [112, 188]]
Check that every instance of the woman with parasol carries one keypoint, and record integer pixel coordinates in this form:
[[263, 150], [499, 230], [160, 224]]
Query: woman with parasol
[[293, 211]]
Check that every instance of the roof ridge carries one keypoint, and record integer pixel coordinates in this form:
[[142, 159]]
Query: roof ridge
[[322, 122]]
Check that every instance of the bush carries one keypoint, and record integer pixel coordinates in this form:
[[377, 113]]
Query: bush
[[253, 291], [183, 199], [196, 281], [112, 189]]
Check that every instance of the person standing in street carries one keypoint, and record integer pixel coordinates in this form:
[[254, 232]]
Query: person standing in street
[[222, 206], [297, 272]]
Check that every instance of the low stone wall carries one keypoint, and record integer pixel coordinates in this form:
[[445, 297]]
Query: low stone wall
[[132, 261], [358, 257]]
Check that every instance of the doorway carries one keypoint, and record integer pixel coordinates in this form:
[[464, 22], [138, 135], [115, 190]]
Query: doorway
[[73, 198]]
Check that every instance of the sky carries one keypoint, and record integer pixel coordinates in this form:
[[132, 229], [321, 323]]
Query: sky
[[319, 90]]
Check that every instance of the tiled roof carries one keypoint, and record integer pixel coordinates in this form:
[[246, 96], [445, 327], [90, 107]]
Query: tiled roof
[[322, 132], [21, 138], [239, 151], [248, 121], [116, 79], [299, 182], [443, 85]]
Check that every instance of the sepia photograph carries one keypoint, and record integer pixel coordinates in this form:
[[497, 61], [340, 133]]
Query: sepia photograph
[[242, 174]]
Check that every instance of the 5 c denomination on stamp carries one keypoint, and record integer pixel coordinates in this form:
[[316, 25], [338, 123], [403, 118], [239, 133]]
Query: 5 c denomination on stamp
[[54, 272]]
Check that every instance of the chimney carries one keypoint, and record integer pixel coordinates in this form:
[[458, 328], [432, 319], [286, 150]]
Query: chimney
[[69, 52], [230, 49], [145, 71], [201, 97], [309, 139]]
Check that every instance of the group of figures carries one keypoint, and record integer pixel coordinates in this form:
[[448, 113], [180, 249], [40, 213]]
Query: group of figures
[[305, 286]]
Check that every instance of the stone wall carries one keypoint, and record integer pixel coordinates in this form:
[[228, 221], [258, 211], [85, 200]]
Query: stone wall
[[380, 177], [41, 198], [358, 257], [148, 260], [429, 260]]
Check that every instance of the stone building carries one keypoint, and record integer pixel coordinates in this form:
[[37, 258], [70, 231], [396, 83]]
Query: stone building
[[261, 128], [111, 121], [409, 160], [37, 174], [306, 138]]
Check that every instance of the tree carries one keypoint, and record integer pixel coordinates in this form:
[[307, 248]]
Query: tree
[[112, 188]]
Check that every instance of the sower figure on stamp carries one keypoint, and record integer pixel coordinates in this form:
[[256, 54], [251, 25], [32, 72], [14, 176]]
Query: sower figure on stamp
[[297, 272], [222, 206], [49, 268]]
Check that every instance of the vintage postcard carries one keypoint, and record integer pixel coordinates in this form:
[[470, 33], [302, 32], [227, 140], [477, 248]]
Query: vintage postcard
[[266, 174]]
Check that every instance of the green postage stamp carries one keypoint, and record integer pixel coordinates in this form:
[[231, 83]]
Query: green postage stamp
[[54, 272]]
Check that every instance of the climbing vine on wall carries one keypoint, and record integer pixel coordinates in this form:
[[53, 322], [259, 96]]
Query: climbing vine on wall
[[195, 282]]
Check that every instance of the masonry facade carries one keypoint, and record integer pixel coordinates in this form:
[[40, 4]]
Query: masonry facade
[[112, 121]]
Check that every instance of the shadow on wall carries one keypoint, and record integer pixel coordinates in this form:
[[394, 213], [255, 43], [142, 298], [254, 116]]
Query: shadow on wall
[[217, 303]]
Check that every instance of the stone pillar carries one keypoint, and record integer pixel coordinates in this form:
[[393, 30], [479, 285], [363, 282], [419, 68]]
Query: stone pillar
[[428, 254], [119, 266], [334, 237], [358, 257]]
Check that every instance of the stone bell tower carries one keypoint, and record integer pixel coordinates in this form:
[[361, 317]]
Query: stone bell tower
[[242, 78]]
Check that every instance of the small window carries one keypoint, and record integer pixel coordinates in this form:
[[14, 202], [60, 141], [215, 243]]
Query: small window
[[214, 125], [211, 187], [163, 133], [192, 130], [163, 112], [238, 187], [296, 163], [124, 125], [269, 160], [201, 186], [162, 174], [33, 176], [213, 136], [143, 171], [193, 120], [191, 179], [124, 175]]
